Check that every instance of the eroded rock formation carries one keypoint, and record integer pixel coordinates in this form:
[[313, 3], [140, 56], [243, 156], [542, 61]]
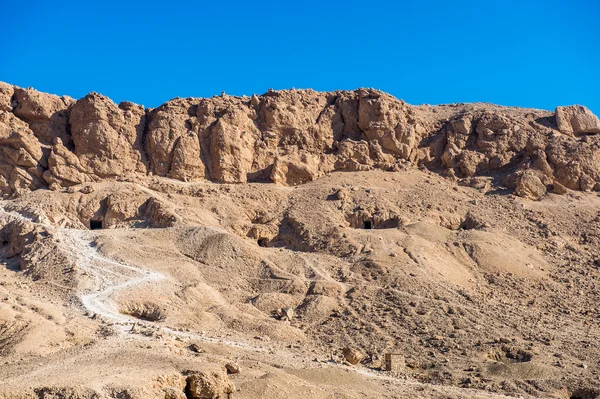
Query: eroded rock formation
[[289, 137]]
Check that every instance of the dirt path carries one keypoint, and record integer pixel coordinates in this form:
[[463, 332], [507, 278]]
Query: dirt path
[[110, 276]]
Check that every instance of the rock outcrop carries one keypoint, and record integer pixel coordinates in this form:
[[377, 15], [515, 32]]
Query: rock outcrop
[[167, 126], [576, 120], [22, 160], [107, 137], [289, 137], [46, 114]]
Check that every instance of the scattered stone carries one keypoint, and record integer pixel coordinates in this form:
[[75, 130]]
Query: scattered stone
[[87, 190], [232, 368], [287, 314], [196, 348], [340, 194]]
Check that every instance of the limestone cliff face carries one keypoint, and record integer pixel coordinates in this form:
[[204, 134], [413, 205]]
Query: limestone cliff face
[[289, 137]]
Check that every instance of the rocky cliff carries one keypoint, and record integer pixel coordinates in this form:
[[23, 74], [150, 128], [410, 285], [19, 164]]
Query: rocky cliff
[[290, 137]]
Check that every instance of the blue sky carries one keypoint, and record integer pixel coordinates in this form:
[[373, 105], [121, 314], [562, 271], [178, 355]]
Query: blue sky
[[524, 53]]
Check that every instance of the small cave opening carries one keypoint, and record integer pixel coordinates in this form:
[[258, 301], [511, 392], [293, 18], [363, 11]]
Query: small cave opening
[[367, 224], [262, 242], [95, 224]]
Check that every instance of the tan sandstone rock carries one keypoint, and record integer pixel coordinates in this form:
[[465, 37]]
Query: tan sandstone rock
[[232, 368], [46, 114], [64, 167], [22, 159], [576, 119], [122, 207], [352, 355], [107, 137], [288, 137], [209, 385], [6, 93], [529, 185], [558, 188], [167, 124]]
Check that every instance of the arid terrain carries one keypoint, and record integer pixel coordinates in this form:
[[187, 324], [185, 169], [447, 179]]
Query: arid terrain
[[297, 244]]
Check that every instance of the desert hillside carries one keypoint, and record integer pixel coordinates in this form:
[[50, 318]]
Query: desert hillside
[[297, 244]]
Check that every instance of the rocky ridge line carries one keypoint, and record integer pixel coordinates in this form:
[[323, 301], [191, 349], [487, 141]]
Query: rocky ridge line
[[290, 137]]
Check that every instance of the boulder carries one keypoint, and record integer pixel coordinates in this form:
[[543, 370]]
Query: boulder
[[295, 169], [160, 214], [209, 385], [352, 355], [530, 186], [576, 119], [558, 188], [339, 195], [576, 163]]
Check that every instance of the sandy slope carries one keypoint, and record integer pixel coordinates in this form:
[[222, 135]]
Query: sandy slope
[[483, 293]]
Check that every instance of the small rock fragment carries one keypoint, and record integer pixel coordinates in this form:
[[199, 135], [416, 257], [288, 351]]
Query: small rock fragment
[[87, 190], [196, 348], [232, 368], [287, 314]]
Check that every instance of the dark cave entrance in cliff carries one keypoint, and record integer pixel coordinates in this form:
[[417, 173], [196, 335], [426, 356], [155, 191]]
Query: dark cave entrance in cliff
[[95, 224], [368, 225]]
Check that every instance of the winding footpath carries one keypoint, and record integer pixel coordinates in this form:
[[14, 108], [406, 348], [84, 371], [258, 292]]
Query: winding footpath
[[110, 277]]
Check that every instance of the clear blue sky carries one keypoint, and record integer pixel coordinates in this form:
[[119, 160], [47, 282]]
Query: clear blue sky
[[526, 53]]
